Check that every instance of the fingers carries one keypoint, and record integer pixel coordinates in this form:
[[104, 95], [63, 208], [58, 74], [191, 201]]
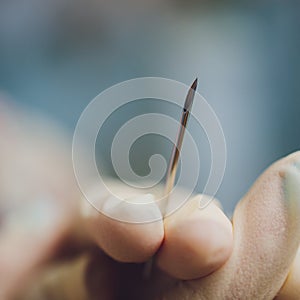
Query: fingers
[[291, 287], [197, 241], [126, 242], [266, 237], [95, 274]]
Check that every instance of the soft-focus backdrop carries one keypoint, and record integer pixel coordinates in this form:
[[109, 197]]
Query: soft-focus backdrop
[[55, 56]]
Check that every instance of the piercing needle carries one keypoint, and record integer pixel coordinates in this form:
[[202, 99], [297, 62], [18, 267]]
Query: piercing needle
[[173, 164]]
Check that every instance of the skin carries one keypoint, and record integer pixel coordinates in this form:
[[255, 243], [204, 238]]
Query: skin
[[78, 253]]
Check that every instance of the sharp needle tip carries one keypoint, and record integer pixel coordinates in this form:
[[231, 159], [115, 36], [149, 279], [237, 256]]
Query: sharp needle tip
[[194, 84], [190, 96]]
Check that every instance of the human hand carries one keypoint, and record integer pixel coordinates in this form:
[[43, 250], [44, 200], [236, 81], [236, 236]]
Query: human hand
[[198, 253], [70, 251]]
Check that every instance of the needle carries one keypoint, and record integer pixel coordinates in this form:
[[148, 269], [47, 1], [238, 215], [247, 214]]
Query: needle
[[173, 164]]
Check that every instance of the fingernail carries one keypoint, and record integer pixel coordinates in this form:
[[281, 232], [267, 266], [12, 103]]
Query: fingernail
[[297, 165], [91, 206], [137, 209], [292, 188]]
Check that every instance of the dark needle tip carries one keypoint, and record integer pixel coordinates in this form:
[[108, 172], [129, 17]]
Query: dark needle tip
[[190, 96], [194, 84]]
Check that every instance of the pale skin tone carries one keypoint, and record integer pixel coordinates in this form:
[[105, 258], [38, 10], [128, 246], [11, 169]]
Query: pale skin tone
[[198, 253]]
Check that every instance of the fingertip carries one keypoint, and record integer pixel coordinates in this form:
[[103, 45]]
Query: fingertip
[[197, 242], [130, 242], [125, 241]]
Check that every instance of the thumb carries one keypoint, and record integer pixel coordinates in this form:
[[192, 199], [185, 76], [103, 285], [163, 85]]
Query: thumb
[[267, 230], [266, 226]]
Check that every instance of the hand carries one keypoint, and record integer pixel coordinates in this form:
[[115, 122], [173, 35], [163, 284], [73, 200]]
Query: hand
[[53, 248], [198, 253]]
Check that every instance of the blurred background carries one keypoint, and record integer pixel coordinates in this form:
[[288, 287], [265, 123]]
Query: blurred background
[[56, 56]]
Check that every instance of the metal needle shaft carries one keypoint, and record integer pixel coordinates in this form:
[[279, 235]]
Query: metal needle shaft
[[173, 164]]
